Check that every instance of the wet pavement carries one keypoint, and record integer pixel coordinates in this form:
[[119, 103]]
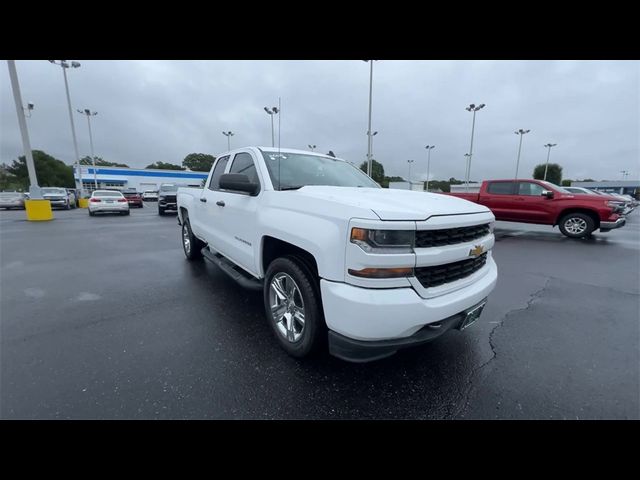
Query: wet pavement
[[102, 317]]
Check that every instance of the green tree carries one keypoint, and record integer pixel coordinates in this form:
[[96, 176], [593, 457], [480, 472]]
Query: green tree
[[100, 162], [554, 173], [566, 183], [199, 162], [377, 171], [50, 171], [165, 166]]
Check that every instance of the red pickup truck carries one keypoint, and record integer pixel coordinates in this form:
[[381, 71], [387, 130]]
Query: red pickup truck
[[537, 201]]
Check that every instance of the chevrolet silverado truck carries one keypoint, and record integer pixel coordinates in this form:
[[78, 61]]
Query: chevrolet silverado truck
[[537, 201], [338, 258]]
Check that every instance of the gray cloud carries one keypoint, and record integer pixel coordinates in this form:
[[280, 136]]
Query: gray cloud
[[162, 110]]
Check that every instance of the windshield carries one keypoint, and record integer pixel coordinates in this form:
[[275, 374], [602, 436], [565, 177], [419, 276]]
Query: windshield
[[295, 170], [554, 187], [169, 188], [57, 191]]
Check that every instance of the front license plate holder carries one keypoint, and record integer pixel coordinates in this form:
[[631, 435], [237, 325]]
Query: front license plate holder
[[472, 314]]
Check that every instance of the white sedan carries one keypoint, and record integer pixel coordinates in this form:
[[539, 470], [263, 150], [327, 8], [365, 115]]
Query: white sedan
[[108, 201]]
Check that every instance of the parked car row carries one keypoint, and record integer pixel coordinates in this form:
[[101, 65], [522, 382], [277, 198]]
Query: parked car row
[[626, 202]]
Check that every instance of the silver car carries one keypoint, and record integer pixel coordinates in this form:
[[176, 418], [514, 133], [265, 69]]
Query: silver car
[[12, 200], [59, 197]]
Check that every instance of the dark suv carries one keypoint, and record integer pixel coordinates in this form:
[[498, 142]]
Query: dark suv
[[167, 198]]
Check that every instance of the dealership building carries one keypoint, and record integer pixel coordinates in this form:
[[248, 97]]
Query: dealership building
[[624, 187], [141, 179]]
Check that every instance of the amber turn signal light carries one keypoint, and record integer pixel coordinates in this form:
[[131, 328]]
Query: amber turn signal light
[[382, 272]]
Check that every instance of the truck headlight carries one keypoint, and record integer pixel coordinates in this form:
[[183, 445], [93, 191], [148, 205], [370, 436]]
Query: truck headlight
[[614, 204], [492, 226], [383, 241]]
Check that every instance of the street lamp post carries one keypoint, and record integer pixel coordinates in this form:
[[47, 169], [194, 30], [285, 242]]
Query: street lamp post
[[273, 111], [520, 132], [370, 155], [34, 188], [65, 65], [228, 134], [312, 147], [466, 169], [90, 114], [474, 109], [369, 135], [548, 145], [409, 162], [429, 148]]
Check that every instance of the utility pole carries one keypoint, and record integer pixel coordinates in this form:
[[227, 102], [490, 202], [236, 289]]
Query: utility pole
[[520, 132], [474, 109], [228, 134], [548, 145], [273, 111], [90, 114], [429, 148]]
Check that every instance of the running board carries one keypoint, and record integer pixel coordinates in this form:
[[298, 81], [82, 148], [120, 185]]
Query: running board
[[244, 279]]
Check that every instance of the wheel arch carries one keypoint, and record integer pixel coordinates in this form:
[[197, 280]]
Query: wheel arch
[[592, 213]]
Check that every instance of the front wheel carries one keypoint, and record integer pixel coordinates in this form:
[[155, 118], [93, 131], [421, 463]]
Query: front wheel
[[292, 306], [577, 225], [160, 211]]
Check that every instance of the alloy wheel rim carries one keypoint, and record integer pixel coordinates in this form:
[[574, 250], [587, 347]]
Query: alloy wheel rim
[[287, 307], [575, 225], [186, 241]]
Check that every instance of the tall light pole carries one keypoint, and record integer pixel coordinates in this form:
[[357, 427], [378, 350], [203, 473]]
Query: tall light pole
[[409, 162], [273, 111], [228, 134], [90, 114], [369, 135], [34, 188], [474, 109], [429, 148], [371, 150], [624, 174], [64, 64], [312, 147], [467, 158], [520, 132], [548, 145]]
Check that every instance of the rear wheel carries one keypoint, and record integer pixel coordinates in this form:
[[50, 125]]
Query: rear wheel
[[577, 225], [160, 211], [91, 214], [127, 212], [191, 245], [292, 306]]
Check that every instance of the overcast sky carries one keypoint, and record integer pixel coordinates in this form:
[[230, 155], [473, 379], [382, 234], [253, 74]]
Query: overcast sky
[[152, 111]]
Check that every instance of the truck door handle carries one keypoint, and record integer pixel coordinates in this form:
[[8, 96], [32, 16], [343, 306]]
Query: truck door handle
[[220, 203], [202, 199]]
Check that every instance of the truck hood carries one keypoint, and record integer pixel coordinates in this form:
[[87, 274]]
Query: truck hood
[[392, 204]]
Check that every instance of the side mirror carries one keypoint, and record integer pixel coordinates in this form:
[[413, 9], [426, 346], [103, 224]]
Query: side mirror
[[238, 182], [547, 193]]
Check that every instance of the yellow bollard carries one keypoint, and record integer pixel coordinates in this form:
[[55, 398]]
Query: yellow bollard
[[83, 203], [38, 210]]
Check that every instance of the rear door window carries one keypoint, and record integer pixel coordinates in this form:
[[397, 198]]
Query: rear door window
[[218, 170], [501, 188]]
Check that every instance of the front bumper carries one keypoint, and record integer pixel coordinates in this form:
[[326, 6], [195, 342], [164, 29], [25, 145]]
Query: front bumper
[[374, 314], [168, 205], [360, 351], [611, 225]]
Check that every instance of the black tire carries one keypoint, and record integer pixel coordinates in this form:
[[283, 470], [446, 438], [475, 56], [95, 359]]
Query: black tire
[[313, 334], [160, 211], [577, 225], [194, 251], [91, 214], [128, 212]]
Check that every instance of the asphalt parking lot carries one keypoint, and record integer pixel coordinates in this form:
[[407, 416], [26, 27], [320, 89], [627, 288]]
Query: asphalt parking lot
[[102, 317]]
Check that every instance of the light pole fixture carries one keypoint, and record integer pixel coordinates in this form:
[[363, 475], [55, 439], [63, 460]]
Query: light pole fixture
[[409, 162], [471, 108], [548, 145], [90, 114], [228, 134], [370, 156], [429, 148], [28, 109], [312, 147], [273, 111], [624, 174], [65, 64], [369, 139], [520, 132]]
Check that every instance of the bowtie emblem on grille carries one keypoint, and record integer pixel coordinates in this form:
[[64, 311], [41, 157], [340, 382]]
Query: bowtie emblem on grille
[[476, 251]]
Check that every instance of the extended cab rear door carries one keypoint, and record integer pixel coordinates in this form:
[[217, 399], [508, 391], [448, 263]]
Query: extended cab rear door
[[206, 223], [500, 197]]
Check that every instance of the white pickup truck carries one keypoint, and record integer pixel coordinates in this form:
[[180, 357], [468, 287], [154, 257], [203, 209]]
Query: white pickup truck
[[337, 256]]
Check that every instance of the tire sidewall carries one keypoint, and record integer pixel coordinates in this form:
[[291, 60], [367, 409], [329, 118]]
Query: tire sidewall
[[582, 216], [314, 322], [196, 245]]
